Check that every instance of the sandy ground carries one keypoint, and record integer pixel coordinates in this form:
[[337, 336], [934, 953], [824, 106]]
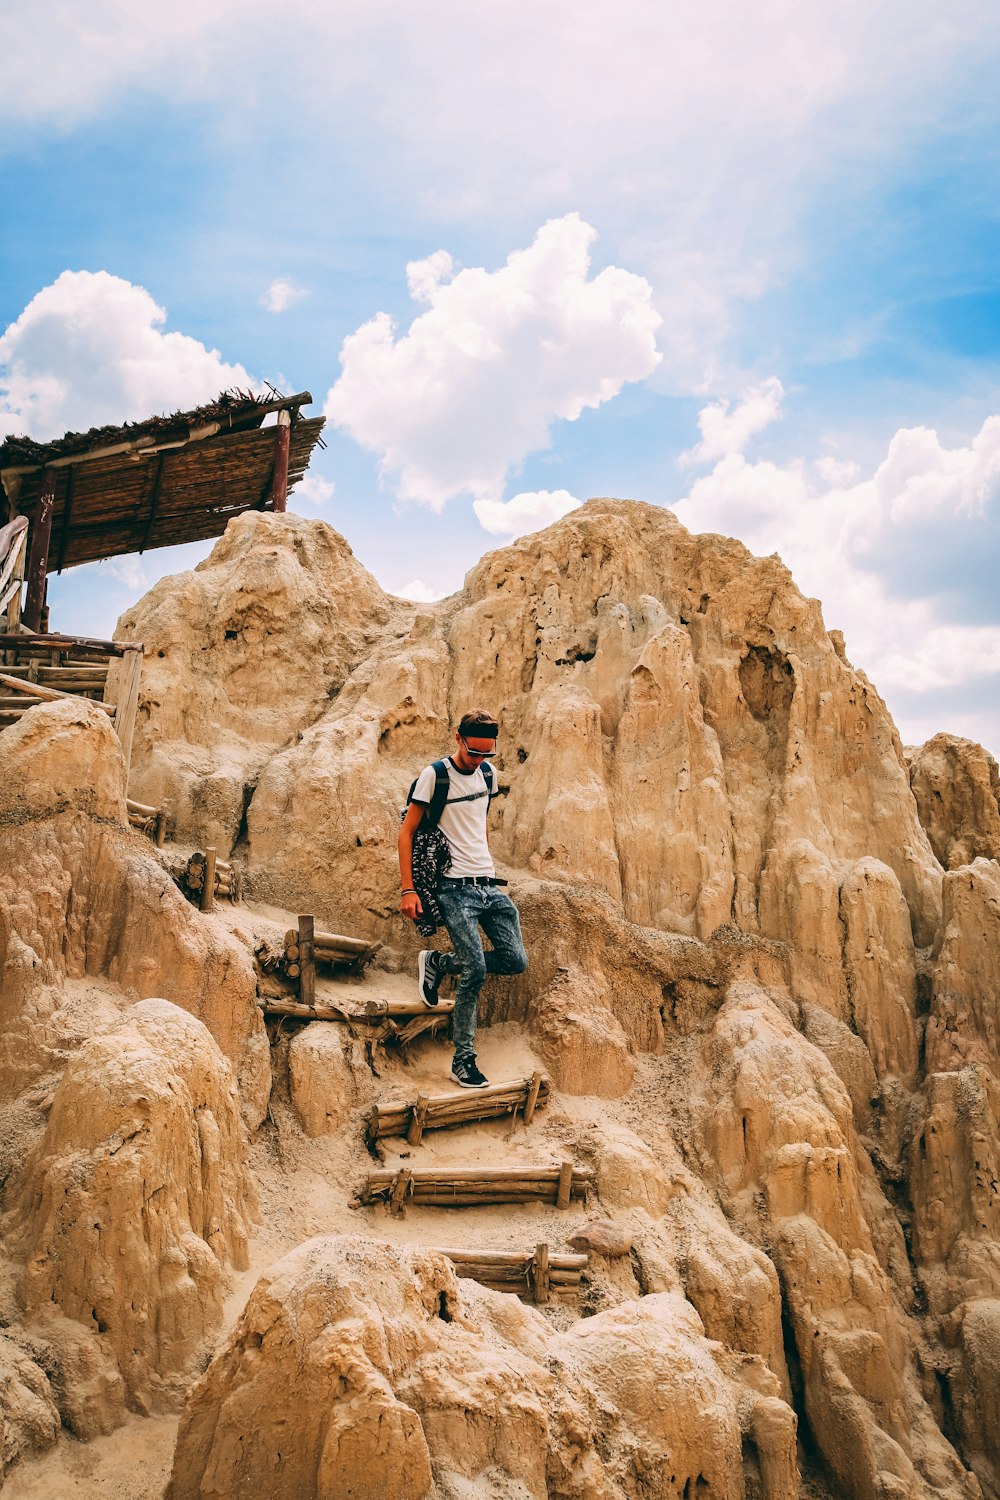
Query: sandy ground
[[306, 1187]]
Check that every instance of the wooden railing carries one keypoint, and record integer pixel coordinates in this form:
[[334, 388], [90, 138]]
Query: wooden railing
[[13, 549], [24, 653]]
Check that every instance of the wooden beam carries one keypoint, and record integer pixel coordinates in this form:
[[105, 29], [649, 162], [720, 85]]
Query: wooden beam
[[531, 1101], [67, 514], [419, 1120], [153, 501], [307, 960], [279, 484], [208, 889], [540, 1273], [50, 695], [28, 640], [38, 559], [128, 703]]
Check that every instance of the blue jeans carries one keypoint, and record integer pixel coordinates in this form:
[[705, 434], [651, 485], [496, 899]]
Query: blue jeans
[[465, 909]]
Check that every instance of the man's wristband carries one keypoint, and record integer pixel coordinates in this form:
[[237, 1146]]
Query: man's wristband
[[409, 892]]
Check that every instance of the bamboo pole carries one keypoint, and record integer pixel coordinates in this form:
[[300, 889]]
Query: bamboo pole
[[208, 889], [307, 976]]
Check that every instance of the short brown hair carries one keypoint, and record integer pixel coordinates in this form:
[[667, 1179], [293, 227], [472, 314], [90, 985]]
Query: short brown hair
[[478, 722]]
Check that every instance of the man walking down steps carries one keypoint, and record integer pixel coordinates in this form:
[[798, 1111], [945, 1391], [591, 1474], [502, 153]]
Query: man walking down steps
[[453, 796]]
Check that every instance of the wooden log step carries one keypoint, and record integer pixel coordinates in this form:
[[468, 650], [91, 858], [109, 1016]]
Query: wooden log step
[[329, 1011], [443, 1110], [397, 1008], [335, 941], [537, 1276], [461, 1187]]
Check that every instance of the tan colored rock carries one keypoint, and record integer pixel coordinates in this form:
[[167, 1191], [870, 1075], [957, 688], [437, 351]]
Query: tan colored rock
[[880, 968], [953, 1172], [82, 897], [779, 1128], [29, 1421], [137, 1203], [328, 1078], [675, 720], [964, 1023], [362, 1370], [734, 1287], [603, 1237], [976, 1388], [584, 1047], [957, 786], [241, 655]]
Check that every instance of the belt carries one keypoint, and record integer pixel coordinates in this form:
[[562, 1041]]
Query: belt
[[471, 880]]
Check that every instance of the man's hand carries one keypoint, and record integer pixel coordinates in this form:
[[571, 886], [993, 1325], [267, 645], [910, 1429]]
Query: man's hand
[[410, 905]]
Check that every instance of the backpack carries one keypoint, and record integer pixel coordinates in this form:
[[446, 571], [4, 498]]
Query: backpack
[[431, 855]]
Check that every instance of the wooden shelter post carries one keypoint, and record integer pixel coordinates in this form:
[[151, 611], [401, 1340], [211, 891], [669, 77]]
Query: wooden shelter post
[[38, 557], [281, 445]]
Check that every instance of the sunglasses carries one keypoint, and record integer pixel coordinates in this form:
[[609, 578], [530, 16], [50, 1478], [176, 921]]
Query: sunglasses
[[478, 754]]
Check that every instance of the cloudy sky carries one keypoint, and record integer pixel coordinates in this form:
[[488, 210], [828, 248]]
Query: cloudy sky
[[743, 261]]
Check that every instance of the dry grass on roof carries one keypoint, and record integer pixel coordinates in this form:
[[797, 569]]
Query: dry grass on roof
[[235, 409]]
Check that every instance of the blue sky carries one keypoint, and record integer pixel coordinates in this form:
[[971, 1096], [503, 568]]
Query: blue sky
[[742, 261]]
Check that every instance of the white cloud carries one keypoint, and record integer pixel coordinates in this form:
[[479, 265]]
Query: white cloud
[[419, 592], [425, 277], [89, 349], [282, 294], [726, 429], [740, 121], [475, 383], [314, 490], [529, 511]]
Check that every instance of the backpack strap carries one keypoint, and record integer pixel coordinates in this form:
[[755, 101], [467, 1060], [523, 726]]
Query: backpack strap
[[441, 784], [487, 770]]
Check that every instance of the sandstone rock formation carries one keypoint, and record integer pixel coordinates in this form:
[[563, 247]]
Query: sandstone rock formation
[[360, 1370], [136, 1205], [90, 919], [957, 786], [765, 962]]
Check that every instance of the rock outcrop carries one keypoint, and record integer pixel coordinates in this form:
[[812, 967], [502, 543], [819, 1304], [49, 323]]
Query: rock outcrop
[[957, 786], [134, 1209], [89, 918], [764, 977], [361, 1370]]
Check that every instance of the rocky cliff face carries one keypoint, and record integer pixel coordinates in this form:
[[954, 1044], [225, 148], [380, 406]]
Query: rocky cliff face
[[765, 962]]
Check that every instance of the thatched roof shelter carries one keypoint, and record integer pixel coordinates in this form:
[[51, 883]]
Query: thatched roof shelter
[[149, 484], [170, 479]]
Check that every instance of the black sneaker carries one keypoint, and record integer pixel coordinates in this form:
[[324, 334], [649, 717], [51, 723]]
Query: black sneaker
[[429, 975], [465, 1072]]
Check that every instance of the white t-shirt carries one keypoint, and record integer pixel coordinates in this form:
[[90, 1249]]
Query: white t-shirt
[[463, 823]]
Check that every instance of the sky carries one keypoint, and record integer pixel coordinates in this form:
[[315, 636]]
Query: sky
[[740, 261]]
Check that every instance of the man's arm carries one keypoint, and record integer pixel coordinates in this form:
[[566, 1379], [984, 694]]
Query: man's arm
[[410, 902]]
